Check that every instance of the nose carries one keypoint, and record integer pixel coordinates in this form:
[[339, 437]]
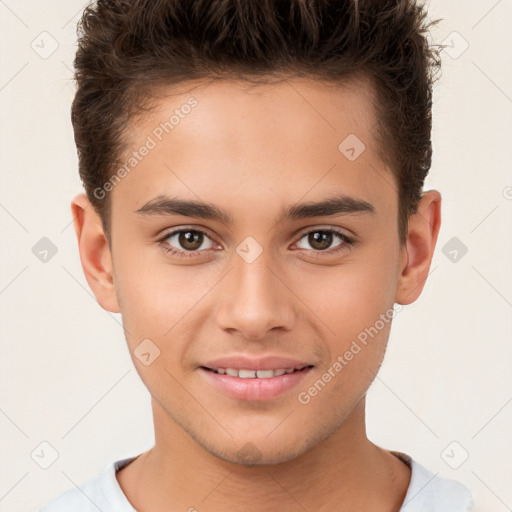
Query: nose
[[255, 299]]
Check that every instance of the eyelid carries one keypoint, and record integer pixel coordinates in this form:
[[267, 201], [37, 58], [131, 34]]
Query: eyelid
[[347, 241], [319, 227], [174, 231], [298, 233], [166, 233], [337, 229]]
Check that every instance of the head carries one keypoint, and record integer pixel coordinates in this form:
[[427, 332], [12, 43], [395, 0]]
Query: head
[[260, 110]]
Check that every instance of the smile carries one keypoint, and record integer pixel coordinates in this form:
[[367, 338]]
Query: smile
[[254, 374], [254, 385]]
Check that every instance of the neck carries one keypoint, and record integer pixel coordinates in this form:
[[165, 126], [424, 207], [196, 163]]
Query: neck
[[343, 472]]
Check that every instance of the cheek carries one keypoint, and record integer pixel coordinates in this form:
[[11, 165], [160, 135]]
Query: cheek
[[157, 299], [349, 298], [355, 319]]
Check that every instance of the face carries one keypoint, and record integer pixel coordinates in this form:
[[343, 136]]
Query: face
[[257, 271]]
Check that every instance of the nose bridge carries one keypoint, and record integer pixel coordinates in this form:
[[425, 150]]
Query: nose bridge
[[256, 300]]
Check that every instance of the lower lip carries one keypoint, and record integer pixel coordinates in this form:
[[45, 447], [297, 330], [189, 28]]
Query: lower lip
[[256, 390]]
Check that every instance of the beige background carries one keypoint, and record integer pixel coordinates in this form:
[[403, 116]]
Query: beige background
[[66, 375]]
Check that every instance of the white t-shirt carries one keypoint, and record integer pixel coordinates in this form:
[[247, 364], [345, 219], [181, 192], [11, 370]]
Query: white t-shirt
[[426, 493]]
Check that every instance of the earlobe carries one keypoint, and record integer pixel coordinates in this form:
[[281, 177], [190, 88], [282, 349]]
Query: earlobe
[[94, 253], [421, 241]]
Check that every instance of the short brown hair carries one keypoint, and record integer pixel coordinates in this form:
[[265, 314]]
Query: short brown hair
[[128, 48]]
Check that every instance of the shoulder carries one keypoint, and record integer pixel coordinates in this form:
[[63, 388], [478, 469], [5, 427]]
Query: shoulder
[[428, 492], [102, 492]]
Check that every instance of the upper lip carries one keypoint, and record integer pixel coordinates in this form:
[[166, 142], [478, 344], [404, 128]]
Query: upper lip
[[240, 362]]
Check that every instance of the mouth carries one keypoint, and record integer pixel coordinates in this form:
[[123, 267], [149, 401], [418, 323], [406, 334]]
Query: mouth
[[254, 385], [243, 373]]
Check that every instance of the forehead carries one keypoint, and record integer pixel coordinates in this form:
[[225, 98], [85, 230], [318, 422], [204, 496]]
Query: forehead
[[243, 110], [300, 138]]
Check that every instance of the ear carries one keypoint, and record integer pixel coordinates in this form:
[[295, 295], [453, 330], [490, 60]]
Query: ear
[[419, 248], [94, 253]]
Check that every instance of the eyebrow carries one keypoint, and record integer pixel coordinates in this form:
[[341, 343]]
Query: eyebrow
[[337, 205]]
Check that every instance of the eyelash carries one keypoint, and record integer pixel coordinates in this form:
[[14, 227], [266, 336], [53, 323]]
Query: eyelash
[[347, 241]]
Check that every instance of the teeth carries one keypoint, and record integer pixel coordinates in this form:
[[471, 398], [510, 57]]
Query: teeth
[[246, 374], [252, 374], [263, 374]]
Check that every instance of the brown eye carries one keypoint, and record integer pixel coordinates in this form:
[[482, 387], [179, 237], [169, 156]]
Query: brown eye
[[320, 240], [190, 240], [183, 241]]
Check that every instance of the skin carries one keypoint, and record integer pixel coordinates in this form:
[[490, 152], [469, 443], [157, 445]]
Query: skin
[[254, 152]]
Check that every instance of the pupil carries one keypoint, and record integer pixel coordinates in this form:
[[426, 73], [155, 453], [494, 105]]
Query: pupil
[[322, 239], [190, 240]]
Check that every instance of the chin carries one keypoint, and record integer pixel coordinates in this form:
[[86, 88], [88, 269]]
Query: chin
[[257, 453]]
